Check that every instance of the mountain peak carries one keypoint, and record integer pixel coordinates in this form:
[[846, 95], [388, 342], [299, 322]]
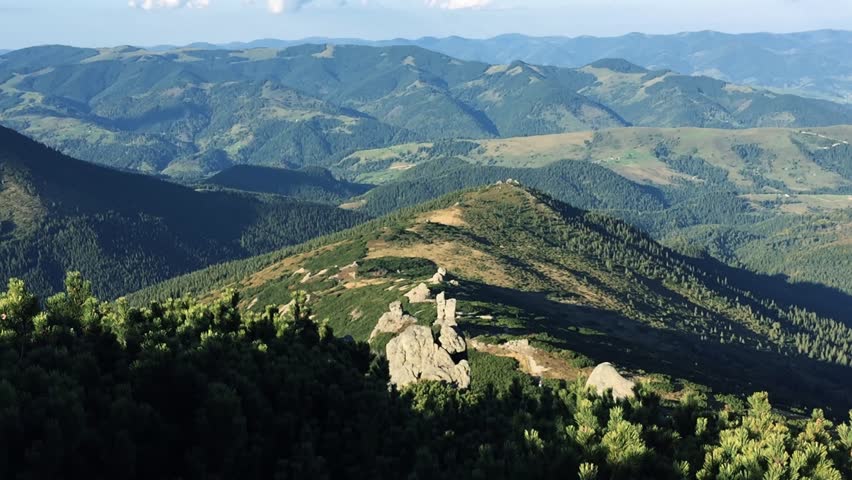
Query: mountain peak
[[618, 65]]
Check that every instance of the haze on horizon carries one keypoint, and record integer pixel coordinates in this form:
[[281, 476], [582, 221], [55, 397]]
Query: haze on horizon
[[153, 22]]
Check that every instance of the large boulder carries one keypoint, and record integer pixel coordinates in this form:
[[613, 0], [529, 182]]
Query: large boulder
[[451, 341], [605, 377], [413, 356], [393, 321], [419, 294], [439, 276]]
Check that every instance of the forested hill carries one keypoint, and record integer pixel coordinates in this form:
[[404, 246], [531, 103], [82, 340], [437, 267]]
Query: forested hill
[[309, 183], [582, 285], [126, 230], [191, 112]]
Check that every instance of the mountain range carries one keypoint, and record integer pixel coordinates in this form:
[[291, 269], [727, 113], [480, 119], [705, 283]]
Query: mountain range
[[811, 63], [189, 113], [349, 261]]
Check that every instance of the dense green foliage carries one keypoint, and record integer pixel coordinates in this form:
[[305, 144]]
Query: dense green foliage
[[126, 231], [580, 183], [311, 183], [183, 390], [834, 157], [814, 246]]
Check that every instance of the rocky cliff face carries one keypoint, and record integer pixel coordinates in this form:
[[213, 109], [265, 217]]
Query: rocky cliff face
[[415, 355], [393, 321]]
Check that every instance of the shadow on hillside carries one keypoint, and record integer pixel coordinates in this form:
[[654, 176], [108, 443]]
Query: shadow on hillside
[[821, 299], [601, 335]]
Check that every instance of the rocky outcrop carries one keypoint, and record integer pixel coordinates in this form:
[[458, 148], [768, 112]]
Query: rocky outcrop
[[446, 310], [451, 341], [439, 276], [419, 294], [605, 377], [414, 356], [393, 321]]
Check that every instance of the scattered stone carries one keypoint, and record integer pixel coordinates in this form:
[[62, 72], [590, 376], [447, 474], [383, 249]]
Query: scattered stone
[[419, 294], [454, 283], [351, 265], [393, 321], [299, 271], [414, 356], [605, 377], [439, 276]]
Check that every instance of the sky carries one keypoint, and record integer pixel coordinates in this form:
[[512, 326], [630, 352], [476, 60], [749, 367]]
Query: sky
[[100, 23]]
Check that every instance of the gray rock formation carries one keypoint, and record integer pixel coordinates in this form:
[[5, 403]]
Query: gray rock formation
[[605, 377], [446, 310], [451, 341], [439, 276], [413, 356], [419, 294], [393, 321]]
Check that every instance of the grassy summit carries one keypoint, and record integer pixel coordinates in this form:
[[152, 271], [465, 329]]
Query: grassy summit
[[582, 287]]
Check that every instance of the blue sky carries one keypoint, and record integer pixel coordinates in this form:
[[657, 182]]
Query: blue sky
[[150, 22]]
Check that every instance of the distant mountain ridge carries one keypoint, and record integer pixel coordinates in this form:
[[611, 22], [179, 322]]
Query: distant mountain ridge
[[813, 62], [191, 113]]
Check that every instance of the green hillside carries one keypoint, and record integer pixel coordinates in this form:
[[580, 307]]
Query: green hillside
[[125, 231], [582, 287], [759, 161], [775, 201], [581, 183], [309, 183], [192, 112]]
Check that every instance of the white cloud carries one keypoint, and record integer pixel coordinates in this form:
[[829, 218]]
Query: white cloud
[[152, 4], [281, 6], [458, 4]]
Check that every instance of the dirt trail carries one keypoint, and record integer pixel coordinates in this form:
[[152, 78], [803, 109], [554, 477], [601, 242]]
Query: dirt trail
[[533, 361]]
